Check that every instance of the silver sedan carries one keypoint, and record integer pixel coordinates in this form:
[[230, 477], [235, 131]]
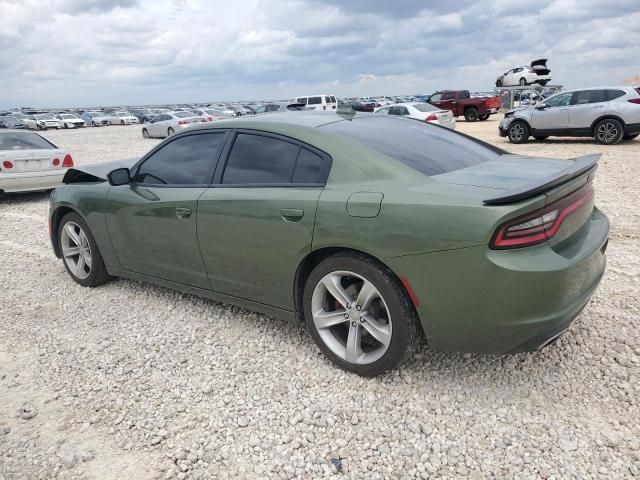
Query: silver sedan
[[166, 124], [28, 162]]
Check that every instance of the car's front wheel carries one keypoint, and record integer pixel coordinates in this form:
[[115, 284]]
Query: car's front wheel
[[359, 315], [145, 133], [523, 82], [518, 132], [122, 122], [169, 131], [80, 252], [608, 131]]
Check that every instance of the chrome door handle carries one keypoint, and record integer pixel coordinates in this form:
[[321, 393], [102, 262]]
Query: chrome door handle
[[182, 212], [291, 214]]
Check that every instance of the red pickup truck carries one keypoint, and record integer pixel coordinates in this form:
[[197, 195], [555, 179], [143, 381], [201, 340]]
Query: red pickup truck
[[460, 102]]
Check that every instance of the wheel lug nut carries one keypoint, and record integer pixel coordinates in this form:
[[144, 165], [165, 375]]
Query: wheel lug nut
[[353, 324], [346, 315], [358, 307], [348, 306], [362, 319]]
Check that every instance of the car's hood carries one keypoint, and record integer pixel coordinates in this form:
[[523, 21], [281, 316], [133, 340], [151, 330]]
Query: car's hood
[[507, 172], [97, 172]]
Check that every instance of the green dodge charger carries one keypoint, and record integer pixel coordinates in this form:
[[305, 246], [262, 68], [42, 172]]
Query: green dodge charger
[[373, 230]]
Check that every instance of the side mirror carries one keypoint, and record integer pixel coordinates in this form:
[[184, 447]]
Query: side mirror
[[119, 176], [541, 106]]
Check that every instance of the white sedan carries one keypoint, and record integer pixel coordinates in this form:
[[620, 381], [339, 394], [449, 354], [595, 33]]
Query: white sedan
[[166, 124], [420, 111], [28, 162], [122, 118], [68, 120]]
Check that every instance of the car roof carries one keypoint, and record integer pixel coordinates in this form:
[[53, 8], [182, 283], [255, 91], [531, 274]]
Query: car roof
[[302, 118]]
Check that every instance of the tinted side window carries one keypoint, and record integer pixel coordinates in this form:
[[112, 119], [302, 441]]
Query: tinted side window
[[435, 98], [596, 96], [582, 97], [613, 94], [333, 99], [449, 96], [301, 100], [185, 161], [561, 100], [258, 159], [315, 100], [308, 167]]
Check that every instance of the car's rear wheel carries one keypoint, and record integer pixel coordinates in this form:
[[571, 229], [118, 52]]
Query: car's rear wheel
[[122, 122], [94, 124], [631, 137], [471, 114], [359, 314], [66, 125], [523, 82], [169, 131], [540, 138], [484, 117], [608, 131], [518, 132], [145, 133], [80, 252]]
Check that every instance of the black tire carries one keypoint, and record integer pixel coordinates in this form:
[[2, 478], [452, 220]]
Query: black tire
[[98, 273], [405, 329], [518, 132], [631, 137], [523, 82], [66, 126], [122, 122], [170, 131], [608, 131], [145, 133], [541, 138], [499, 82], [484, 117], [471, 114], [94, 124]]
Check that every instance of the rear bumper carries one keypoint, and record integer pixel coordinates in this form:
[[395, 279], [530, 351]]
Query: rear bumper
[[489, 301], [30, 181], [632, 128]]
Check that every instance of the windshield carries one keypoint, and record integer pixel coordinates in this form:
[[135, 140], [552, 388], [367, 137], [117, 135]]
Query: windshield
[[429, 149], [23, 141], [66, 115], [214, 112], [424, 107], [123, 114], [183, 114]]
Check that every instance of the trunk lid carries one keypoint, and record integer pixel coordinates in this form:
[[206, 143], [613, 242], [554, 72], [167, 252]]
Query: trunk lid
[[31, 160], [540, 66]]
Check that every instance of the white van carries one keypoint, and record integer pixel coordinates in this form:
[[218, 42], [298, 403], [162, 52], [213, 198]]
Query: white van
[[317, 102]]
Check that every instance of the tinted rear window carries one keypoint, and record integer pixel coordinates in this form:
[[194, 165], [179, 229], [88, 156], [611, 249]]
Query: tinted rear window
[[424, 107], [613, 94], [23, 141], [429, 149], [315, 100], [184, 114]]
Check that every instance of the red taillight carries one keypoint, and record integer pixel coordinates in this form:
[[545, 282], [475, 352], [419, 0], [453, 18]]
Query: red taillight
[[539, 226], [67, 162], [324, 107], [431, 118], [182, 122], [635, 100], [7, 164], [56, 162], [210, 119]]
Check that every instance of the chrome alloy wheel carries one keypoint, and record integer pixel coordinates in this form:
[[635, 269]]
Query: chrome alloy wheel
[[351, 317], [76, 250], [517, 132], [607, 132]]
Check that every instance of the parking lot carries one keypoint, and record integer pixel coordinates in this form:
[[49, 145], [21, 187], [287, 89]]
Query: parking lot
[[134, 381]]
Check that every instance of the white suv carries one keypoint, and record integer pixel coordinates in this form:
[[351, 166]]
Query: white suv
[[317, 102], [608, 114]]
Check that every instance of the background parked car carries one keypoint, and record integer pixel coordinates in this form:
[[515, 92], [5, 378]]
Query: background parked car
[[317, 102], [364, 106], [460, 103], [609, 115], [210, 114], [30, 121], [166, 124], [10, 121], [122, 118], [280, 107], [537, 72], [143, 114], [28, 162], [69, 120], [46, 121], [95, 119], [424, 112]]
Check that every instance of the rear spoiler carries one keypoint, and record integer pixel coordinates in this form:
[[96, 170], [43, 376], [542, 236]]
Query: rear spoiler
[[580, 165]]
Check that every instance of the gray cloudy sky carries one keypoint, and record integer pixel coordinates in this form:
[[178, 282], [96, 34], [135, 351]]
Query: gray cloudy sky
[[109, 52]]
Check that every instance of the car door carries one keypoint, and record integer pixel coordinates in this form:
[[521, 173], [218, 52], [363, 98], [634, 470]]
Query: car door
[[152, 221], [555, 114], [255, 225], [156, 125], [586, 106]]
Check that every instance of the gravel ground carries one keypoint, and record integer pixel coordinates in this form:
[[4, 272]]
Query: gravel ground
[[134, 381]]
